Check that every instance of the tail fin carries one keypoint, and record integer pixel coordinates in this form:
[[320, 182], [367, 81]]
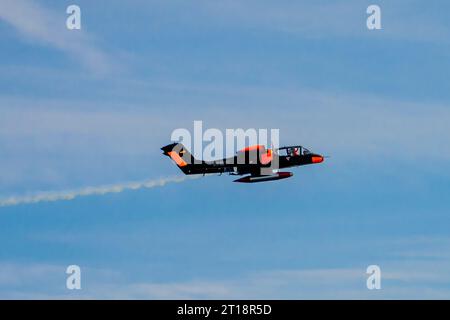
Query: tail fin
[[180, 155]]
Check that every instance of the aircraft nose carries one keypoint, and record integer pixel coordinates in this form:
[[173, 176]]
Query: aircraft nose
[[317, 159]]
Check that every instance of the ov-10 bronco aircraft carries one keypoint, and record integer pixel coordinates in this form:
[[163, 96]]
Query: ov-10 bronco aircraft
[[256, 162]]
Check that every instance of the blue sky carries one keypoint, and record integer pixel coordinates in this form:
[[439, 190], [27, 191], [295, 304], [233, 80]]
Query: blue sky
[[93, 107]]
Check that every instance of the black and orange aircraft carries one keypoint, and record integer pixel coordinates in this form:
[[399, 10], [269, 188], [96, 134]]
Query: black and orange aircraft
[[257, 162]]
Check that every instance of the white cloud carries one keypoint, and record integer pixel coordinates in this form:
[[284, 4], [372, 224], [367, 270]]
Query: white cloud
[[40, 25], [400, 280], [401, 19], [52, 144], [403, 277]]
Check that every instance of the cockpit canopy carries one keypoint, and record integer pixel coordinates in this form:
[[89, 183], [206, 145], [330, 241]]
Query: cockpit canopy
[[293, 151]]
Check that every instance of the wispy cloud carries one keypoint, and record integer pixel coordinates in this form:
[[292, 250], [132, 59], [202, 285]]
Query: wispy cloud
[[49, 144], [44, 26], [90, 191], [400, 280], [322, 19]]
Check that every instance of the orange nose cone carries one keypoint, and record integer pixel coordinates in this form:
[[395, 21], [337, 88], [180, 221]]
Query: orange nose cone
[[317, 159]]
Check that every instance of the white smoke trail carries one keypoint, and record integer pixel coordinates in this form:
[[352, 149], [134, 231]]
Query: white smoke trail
[[90, 191]]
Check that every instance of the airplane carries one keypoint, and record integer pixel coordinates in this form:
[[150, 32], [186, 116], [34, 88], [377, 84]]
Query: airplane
[[256, 162]]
